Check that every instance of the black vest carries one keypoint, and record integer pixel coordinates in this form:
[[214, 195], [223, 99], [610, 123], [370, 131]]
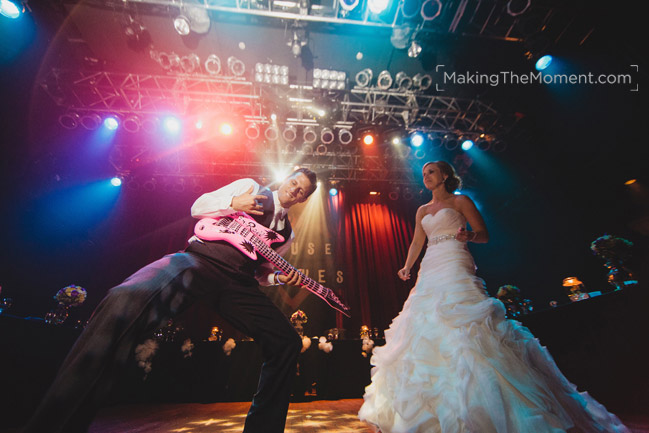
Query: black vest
[[229, 259]]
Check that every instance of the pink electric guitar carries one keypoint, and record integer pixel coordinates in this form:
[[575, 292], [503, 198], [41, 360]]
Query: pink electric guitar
[[250, 237]]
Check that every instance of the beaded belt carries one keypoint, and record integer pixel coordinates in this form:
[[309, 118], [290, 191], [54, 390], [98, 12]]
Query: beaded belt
[[437, 239]]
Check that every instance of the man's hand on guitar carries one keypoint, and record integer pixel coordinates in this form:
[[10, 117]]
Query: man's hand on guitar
[[248, 203], [292, 279]]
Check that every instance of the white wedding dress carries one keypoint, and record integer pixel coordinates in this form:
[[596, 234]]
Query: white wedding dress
[[453, 363]]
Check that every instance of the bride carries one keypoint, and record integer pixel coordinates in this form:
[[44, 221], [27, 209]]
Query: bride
[[451, 361]]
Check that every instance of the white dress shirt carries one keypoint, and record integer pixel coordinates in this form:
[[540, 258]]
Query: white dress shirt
[[218, 203]]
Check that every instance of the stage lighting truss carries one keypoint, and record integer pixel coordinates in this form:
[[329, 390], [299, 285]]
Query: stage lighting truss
[[268, 73], [329, 79]]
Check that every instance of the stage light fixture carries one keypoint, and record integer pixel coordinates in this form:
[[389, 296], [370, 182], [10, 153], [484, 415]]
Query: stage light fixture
[[326, 135], [171, 124], [252, 131], [271, 74], [345, 136], [190, 63], [517, 7], [111, 123], [290, 133], [90, 121], [543, 62], [181, 24], [422, 81], [368, 139], [378, 6], [404, 82], [431, 9], [271, 133], [414, 49], [69, 120], [116, 181], [364, 77], [417, 139], [451, 143], [394, 194], [410, 8], [630, 182], [333, 192], [348, 5], [298, 41], [213, 64], [10, 9], [150, 125], [131, 124], [329, 79], [384, 80], [226, 129], [483, 144], [307, 149], [309, 135], [408, 194], [168, 60], [321, 149], [467, 144], [236, 66]]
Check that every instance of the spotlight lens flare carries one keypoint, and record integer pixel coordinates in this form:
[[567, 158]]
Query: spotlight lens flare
[[467, 144], [111, 123], [116, 181], [226, 129], [368, 139], [543, 62], [333, 192], [171, 124], [9, 9], [378, 6], [417, 140], [630, 182]]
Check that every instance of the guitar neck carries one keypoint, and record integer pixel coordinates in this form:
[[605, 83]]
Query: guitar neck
[[279, 261]]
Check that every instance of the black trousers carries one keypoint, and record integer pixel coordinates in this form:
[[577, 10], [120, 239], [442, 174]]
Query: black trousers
[[142, 303]]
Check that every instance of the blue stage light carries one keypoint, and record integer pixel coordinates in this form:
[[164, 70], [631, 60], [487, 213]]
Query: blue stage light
[[378, 6], [111, 123], [543, 62], [417, 140], [467, 144], [116, 181], [9, 9], [171, 124], [333, 192]]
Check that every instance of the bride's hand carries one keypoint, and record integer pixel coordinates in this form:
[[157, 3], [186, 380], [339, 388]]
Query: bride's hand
[[404, 273], [463, 235]]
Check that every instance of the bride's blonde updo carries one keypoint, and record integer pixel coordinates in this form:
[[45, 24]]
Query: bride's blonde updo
[[453, 181]]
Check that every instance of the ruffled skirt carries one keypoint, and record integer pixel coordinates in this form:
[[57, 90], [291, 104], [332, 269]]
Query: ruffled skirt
[[452, 363]]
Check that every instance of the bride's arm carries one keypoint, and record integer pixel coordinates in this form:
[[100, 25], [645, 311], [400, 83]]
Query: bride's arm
[[478, 233], [415, 246]]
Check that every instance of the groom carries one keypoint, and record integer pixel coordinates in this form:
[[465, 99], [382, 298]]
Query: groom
[[207, 271]]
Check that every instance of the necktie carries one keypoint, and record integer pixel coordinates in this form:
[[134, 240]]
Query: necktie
[[278, 221]]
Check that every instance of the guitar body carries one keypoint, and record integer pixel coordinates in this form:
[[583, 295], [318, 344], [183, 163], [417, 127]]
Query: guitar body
[[237, 229], [248, 236]]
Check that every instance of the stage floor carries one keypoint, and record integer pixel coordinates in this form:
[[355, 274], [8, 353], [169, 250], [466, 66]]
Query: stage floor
[[312, 417], [332, 416]]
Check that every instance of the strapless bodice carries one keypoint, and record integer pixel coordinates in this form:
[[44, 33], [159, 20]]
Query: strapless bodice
[[443, 223]]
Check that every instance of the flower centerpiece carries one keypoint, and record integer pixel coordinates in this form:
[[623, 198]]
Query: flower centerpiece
[[69, 296], [298, 319], [615, 251], [515, 305]]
